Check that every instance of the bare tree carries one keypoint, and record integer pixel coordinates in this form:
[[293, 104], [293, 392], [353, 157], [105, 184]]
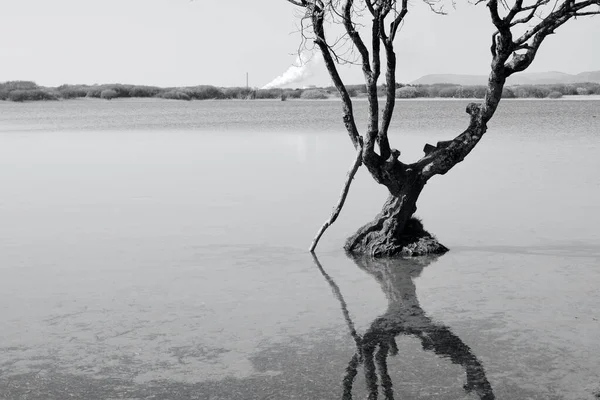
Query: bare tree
[[521, 27]]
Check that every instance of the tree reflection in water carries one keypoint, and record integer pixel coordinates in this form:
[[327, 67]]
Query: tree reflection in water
[[404, 316]]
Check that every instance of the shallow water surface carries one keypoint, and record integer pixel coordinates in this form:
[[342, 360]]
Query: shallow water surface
[[157, 249]]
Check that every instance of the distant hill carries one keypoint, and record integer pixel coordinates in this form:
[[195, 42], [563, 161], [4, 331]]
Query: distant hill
[[590, 76], [532, 78], [451, 78]]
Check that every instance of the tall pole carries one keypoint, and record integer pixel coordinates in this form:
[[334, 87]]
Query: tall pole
[[246, 81]]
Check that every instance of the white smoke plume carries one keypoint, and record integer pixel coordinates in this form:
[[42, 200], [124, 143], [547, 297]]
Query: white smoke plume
[[302, 69]]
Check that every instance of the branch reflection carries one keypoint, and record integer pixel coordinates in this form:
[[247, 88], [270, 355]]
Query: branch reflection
[[404, 316]]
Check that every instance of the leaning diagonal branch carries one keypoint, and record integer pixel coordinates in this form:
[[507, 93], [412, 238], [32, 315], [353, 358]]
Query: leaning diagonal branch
[[338, 208]]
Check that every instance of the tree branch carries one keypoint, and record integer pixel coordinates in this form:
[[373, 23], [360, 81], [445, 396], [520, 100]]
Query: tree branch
[[441, 159], [517, 7], [356, 39], [498, 22], [557, 18], [373, 127], [369, 155], [300, 3], [348, 113], [338, 208], [390, 102], [525, 19], [390, 76], [370, 7], [398, 20], [376, 47]]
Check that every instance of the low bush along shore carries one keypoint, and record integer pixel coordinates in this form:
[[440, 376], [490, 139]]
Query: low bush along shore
[[20, 91]]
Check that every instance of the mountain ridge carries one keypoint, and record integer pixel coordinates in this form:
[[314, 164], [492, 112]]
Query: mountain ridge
[[529, 78]]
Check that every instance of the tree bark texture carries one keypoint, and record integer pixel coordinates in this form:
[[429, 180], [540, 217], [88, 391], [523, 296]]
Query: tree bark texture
[[395, 232]]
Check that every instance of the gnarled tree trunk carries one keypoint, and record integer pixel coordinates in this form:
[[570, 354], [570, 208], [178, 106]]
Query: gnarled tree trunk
[[395, 231]]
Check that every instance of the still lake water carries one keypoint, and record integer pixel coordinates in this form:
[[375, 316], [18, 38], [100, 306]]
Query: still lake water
[[157, 250]]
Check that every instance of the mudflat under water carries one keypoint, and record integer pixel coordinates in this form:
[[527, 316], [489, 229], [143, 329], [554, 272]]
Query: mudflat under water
[[157, 250]]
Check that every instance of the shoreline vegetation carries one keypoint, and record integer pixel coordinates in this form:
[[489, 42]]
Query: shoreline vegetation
[[21, 91]]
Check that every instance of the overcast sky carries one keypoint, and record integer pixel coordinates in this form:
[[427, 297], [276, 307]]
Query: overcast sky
[[183, 42]]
